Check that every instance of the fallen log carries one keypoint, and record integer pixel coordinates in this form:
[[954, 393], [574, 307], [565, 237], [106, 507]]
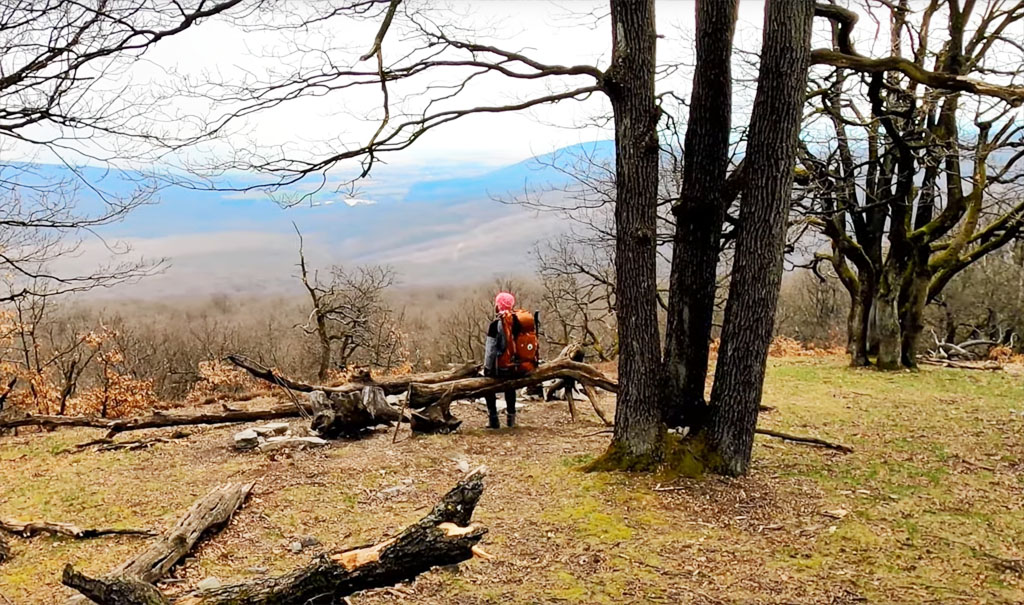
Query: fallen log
[[422, 395], [392, 385], [992, 366], [444, 537], [137, 575], [156, 420], [28, 529]]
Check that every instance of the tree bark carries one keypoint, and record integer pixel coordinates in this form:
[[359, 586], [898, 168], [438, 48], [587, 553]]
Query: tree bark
[[629, 83], [757, 268], [887, 319], [348, 414], [209, 513], [446, 536], [699, 216]]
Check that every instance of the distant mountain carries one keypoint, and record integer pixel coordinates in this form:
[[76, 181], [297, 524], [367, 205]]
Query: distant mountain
[[432, 230]]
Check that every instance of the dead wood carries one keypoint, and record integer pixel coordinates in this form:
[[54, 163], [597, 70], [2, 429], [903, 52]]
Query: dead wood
[[435, 418], [28, 529], [808, 440], [444, 537], [992, 366], [105, 444], [156, 420], [422, 395], [131, 581], [392, 385], [349, 414]]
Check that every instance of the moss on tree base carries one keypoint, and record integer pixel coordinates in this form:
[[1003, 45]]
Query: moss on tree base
[[678, 457]]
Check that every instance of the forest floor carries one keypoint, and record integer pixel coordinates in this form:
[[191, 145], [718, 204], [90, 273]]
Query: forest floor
[[926, 509]]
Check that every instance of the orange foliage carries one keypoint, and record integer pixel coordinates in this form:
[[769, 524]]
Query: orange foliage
[[218, 377], [1001, 353], [784, 346]]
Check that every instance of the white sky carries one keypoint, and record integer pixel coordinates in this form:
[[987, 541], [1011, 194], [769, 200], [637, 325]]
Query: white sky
[[553, 32]]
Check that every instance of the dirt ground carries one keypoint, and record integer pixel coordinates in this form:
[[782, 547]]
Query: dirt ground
[[928, 508]]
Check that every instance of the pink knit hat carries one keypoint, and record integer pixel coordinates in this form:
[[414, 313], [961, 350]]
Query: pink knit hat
[[504, 301]]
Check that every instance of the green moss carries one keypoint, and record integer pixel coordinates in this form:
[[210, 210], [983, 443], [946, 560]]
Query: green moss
[[618, 458]]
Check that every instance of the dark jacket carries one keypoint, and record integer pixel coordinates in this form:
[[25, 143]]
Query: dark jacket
[[494, 346]]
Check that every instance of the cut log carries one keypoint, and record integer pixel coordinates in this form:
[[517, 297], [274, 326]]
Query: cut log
[[392, 385], [444, 537], [209, 513], [28, 529]]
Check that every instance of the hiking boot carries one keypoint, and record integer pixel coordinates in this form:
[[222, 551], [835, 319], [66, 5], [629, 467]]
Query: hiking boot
[[511, 420], [492, 422]]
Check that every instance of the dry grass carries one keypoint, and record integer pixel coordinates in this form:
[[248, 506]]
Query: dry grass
[[935, 483]]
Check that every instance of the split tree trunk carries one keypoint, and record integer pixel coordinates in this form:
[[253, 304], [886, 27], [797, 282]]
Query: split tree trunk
[[699, 216], [629, 83], [757, 267], [446, 536], [138, 574]]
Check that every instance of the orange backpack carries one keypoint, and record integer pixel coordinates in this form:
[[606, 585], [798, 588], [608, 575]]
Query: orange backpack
[[521, 354]]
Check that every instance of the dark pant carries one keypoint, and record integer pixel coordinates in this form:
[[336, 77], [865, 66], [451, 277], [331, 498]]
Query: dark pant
[[492, 403]]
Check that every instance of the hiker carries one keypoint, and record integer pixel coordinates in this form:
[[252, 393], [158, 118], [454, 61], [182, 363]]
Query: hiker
[[510, 351]]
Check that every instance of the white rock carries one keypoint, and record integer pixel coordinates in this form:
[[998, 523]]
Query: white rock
[[247, 439], [295, 547], [274, 428]]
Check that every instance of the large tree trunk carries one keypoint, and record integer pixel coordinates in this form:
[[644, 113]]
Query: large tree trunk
[[757, 268], [699, 216], [912, 323], [887, 319], [446, 536], [138, 574], [629, 83], [860, 316]]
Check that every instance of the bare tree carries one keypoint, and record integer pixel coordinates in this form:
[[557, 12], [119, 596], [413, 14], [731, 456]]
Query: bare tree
[[60, 102], [918, 174], [348, 312]]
